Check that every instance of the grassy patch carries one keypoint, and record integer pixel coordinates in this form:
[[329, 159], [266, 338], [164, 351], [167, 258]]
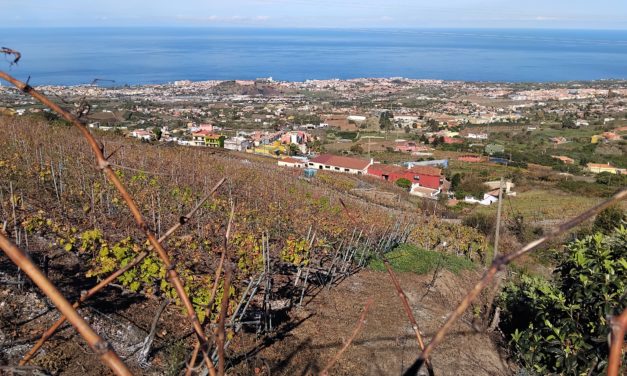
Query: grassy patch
[[346, 135], [409, 258], [586, 189], [538, 204]]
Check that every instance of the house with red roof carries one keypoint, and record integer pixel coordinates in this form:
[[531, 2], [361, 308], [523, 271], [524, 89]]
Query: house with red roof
[[207, 138], [563, 158], [142, 134], [330, 162], [424, 176], [597, 168], [291, 162], [452, 140], [611, 136]]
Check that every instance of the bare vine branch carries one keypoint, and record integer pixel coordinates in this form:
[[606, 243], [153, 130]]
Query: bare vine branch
[[97, 343], [192, 361], [142, 355], [619, 327], [225, 295], [408, 311], [8, 51]]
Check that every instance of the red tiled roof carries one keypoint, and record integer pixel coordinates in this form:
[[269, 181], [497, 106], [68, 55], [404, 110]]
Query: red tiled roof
[[599, 165], [343, 162], [426, 170], [387, 169], [291, 160], [206, 133]]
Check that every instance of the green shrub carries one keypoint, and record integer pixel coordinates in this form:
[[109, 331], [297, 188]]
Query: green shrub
[[482, 222], [357, 149], [455, 180], [346, 135], [561, 326], [522, 230], [611, 180], [411, 259], [473, 185], [609, 219], [403, 183]]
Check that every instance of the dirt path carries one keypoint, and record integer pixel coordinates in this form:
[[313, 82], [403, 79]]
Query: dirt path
[[387, 344]]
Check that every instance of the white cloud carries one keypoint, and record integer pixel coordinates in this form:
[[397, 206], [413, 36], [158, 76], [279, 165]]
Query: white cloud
[[545, 18], [235, 19]]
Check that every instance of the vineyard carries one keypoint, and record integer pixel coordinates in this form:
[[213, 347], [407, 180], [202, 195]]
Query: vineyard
[[178, 259]]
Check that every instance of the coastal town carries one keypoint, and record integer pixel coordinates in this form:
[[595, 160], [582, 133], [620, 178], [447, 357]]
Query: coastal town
[[414, 134]]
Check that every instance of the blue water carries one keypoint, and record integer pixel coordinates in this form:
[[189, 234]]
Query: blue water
[[156, 55]]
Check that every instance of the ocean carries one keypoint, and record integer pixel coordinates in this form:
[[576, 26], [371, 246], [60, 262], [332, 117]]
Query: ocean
[[70, 56]]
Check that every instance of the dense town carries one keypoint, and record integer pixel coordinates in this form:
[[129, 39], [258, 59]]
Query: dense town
[[415, 134]]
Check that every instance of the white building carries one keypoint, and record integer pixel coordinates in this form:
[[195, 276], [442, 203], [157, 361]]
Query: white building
[[237, 143], [337, 163], [486, 201], [496, 184], [141, 134], [356, 118], [478, 136], [291, 162], [581, 123]]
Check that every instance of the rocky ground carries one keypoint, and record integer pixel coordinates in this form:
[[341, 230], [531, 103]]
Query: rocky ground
[[387, 344]]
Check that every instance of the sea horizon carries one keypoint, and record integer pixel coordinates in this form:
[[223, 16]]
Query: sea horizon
[[146, 55]]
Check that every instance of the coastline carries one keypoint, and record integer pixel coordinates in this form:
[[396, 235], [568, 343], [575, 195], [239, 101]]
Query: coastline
[[62, 56]]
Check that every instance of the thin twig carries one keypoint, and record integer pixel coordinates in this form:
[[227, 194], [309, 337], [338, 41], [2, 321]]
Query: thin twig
[[499, 263], [436, 272], [136, 169], [225, 296], [223, 313], [9, 51], [105, 282], [21, 370], [97, 343], [358, 327], [142, 355], [216, 278], [408, 311], [192, 361]]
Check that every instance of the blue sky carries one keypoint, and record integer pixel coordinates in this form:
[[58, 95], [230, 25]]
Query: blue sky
[[577, 14]]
